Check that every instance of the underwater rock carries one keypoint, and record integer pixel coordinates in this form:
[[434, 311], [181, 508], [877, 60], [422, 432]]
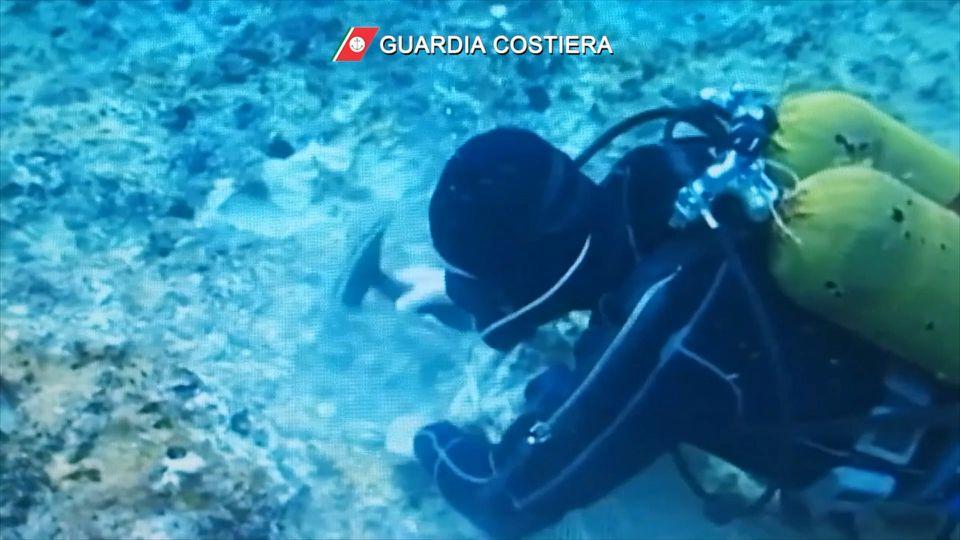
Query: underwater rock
[[102, 436], [160, 244], [184, 383], [10, 190], [279, 148], [23, 483], [178, 466], [178, 118], [9, 417], [20, 7], [538, 97], [58, 95], [240, 423], [181, 209], [235, 67], [939, 90], [245, 114], [293, 181]]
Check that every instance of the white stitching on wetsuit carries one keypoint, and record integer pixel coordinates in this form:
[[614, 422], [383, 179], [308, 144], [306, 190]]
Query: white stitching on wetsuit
[[543, 297], [439, 451], [456, 270], [898, 469], [822, 448], [625, 204], [443, 457], [675, 343], [666, 353], [621, 335], [726, 377]]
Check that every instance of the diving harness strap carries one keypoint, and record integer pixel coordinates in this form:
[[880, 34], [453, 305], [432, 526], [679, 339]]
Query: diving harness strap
[[739, 172]]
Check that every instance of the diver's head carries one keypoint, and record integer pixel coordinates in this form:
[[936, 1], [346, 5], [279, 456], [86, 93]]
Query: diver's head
[[508, 197], [515, 214]]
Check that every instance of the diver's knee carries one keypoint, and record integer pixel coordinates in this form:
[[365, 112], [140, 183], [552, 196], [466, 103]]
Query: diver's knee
[[430, 440], [459, 460]]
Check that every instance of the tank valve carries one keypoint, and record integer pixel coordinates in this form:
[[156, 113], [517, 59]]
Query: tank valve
[[740, 169]]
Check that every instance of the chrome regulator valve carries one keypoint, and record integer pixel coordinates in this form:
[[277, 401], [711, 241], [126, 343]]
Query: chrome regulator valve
[[740, 169]]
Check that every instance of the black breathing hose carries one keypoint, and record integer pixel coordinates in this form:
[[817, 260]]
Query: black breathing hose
[[622, 127], [705, 117], [708, 118]]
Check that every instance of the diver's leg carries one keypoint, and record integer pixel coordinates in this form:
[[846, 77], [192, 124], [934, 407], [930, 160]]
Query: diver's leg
[[464, 469], [508, 490], [517, 486], [464, 465]]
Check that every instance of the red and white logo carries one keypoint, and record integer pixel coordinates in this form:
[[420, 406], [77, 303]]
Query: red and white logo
[[356, 43]]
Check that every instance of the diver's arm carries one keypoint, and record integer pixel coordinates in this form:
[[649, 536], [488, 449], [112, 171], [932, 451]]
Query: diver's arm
[[423, 291], [585, 433]]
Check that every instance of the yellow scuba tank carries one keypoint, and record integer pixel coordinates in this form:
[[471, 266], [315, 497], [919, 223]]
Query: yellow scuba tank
[[873, 249], [824, 129], [876, 257]]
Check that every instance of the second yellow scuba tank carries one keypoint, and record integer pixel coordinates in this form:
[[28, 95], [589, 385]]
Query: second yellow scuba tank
[[873, 246], [872, 255]]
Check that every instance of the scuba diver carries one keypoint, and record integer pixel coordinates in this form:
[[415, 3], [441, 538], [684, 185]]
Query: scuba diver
[[780, 289]]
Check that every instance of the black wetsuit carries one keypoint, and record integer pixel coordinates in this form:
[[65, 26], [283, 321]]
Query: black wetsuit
[[676, 353]]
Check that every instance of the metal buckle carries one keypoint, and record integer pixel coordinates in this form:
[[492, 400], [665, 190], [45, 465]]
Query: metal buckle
[[539, 433]]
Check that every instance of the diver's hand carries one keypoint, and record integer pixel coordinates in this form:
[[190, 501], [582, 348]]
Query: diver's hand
[[426, 294], [425, 286]]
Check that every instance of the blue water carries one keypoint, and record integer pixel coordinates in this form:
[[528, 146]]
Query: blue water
[[182, 184]]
